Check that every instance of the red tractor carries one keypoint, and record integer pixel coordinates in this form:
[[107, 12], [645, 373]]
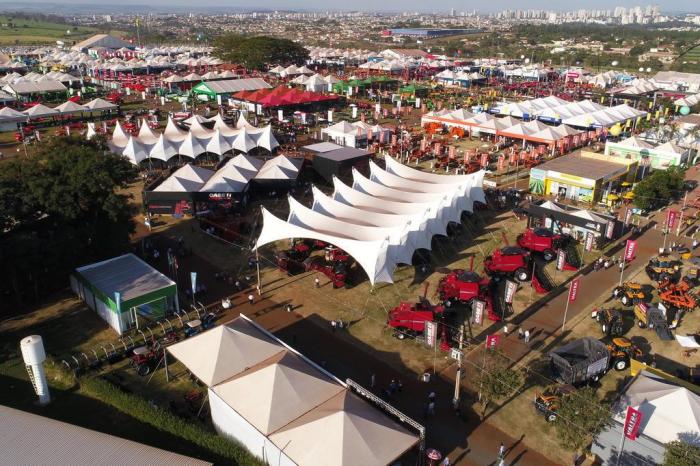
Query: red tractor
[[543, 240], [461, 286], [145, 358], [337, 272], [292, 260], [510, 261]]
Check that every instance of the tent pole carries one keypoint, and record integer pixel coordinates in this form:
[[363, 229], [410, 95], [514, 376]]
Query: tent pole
[[165, 363]]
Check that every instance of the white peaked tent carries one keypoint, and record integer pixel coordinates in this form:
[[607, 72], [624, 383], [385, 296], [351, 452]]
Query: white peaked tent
[[198, 130], [266, 139], [8, 114], [227, 179], [247, 163], [146, 134], [281, 388], [281, 168], [40, 111], [135, 151], [69, 107], [243, 123], [243, 142], [381, 221], [195, 119], [191, 146], [218, 144], [164, 149], [119, 138], [173, 132], [187, 178], [97, 105], [352, 433], [224, 351]]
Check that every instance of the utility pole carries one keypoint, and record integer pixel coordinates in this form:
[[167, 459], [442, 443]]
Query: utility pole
[[680, 221], [458, 377]]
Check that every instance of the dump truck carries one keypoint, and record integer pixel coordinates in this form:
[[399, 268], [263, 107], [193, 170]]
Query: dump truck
[[587, 359]]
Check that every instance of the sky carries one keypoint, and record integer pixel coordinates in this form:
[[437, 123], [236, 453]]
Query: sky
[[400, 5]]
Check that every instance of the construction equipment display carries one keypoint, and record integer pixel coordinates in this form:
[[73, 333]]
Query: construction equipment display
[[610, 320], [630, 293], [677, 297], [651, 317], [662, 269], [587, 359]]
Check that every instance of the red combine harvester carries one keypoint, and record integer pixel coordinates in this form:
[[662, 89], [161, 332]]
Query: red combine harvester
[[292, 260], [408, 319], [509, 261], [544, 241], [460, 286]]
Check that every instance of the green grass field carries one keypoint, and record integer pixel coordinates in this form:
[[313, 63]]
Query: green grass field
[[16, 31]]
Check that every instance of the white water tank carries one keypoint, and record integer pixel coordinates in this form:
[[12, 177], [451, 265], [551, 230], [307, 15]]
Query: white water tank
[[34, 356]]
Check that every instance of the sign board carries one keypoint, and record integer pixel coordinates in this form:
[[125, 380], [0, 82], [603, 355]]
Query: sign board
[[628, 216], [671, 218], [430, 334], [573, 289], [455, 354], [589, 241], [492, 341], [511, 288], [610, 229], [478, 308], [630, 250], [561, 259], [632, 422]]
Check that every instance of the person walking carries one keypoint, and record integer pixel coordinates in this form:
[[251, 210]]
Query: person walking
[[251, 299], [289, 307], [527, 336], [505, 330], [501, 451], [431, 408], [317, 282], [333, 325], [521, 333]]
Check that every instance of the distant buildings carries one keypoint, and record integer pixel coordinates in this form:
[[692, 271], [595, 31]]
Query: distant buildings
[[426, 33]]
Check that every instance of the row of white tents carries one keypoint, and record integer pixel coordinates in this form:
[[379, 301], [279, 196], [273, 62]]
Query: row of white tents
[[232, 177], [316, 82], [194, 77], [458, 77], [74, 59], [10, 115], [348, 134], [14, 77], [381, 220], [195, 141], [291, 70]]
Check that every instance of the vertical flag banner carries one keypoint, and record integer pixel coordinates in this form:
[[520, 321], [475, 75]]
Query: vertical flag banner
[[589, 241], [632, 422], [430, 333], [630, 250], [610, 229], [671, 218], [573, 289], [561, 259], [511, 288], [628, 216], [492, 341], [193, 277], [478, 307]]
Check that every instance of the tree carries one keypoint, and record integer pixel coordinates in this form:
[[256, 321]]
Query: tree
[[580, 417], [60, 209], [496, 379], [260, 51], [658, 188], [679, 453]]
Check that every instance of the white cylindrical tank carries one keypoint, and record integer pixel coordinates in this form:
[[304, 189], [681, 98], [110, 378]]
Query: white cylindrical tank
[[34, 356]]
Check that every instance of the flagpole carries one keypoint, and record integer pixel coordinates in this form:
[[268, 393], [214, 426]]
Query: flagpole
[[566, 310]]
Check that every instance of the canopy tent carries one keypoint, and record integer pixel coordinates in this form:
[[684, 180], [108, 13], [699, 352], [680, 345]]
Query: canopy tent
[[378, 249], [227, 179], [135, 151], [164, 149], [69, 107], [173, 132], [192, 146], [218, 144], [352, 433], [10, 115], [279, 168], [98, 104], [187, 178], [146, 134], [607, 117], [40, 111]]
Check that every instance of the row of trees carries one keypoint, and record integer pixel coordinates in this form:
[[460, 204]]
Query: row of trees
[[59, 209], [659, 188], [256, 53]]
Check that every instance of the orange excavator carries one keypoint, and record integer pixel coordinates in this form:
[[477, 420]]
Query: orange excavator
[[677, 296]]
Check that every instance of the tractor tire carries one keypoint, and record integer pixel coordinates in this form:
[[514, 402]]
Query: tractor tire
[[605, 329], [521, 275], [616, 292], [143, 370], [551, 417], [625, 300], [620, 364], [548, 255], [640, 324], [400, 335], [595, 378]]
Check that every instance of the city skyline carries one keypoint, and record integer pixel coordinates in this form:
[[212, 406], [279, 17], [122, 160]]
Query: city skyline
[[408, 5]]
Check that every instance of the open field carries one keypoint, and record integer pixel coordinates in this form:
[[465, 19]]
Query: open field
[[17, 31]]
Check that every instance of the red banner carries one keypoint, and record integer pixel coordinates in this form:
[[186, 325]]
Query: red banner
[[561, 259], [610, 229], [511, 288], [671, 217], [628, 216], [630, 250], [492, 341], [484, 160], [573, 289], [501, 162], [589, 241], [632, 422]]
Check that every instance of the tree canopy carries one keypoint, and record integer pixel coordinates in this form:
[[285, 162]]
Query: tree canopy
[[580, 417], [679, 453], [658, 188], [60, 209], [260, 51], [496, 379]]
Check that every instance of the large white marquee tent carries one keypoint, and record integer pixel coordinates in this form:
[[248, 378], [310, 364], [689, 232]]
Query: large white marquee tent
[[284, 408], [380, 221]]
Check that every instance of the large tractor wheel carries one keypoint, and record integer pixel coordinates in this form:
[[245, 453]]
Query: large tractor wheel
[[620, 364], [143, 370], [605, 329], [625, 300], [551, 416], [548, 255], [521, 275]]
